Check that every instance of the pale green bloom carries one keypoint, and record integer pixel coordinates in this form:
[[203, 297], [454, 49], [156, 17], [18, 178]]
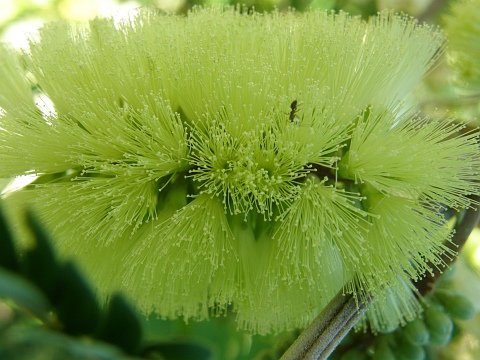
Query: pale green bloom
[[178, 167], [463, 30]]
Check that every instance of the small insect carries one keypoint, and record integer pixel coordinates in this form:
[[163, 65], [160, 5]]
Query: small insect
[[293, 106]]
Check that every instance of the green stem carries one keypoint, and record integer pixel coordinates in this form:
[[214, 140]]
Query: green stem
[[324, 334]]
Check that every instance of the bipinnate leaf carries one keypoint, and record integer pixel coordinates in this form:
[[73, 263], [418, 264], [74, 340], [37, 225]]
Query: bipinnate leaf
[[40, 264], [23, 293], [76, 305], [121, 326], [8, 257]]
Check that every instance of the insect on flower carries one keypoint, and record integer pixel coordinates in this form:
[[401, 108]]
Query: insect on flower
[[293, 107]]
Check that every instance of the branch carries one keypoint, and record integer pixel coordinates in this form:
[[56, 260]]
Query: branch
[[463, 228], [324, 334]]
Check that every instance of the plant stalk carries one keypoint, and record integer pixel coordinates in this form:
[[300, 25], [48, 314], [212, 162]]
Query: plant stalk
[[323, 335]]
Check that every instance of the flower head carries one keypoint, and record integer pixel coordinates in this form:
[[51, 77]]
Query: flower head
[[263, 161]]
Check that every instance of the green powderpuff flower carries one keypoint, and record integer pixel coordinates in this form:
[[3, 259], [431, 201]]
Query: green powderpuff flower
[[226, 160], [462, 27]]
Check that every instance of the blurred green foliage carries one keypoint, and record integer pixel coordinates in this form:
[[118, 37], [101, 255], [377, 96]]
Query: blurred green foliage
[[52, 305]]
